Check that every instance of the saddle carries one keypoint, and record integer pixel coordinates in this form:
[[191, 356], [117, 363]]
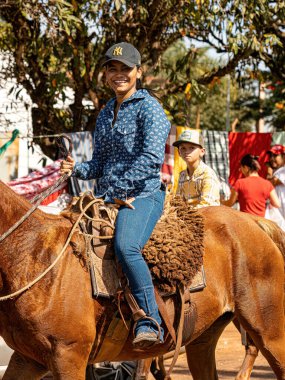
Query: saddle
[[167, 254]]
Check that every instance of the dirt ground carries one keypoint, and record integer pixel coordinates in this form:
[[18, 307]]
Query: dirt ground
[[229, 356]]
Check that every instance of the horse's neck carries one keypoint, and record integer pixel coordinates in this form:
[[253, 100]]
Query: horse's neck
[[28, 249], [12, 207]]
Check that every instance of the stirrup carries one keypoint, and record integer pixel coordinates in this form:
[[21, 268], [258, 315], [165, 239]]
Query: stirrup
[[158, 333], [145, 339]]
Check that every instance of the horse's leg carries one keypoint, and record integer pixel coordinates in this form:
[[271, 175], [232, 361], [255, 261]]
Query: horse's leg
[[157, 368], [142, 369], [161, 366], [272, 347], [201, 352], [251, 353], [153, 365], [265, 324], [69, 362], [22, 368]]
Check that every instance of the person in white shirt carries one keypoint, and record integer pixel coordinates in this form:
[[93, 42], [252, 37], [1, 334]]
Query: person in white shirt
[[277, 161]]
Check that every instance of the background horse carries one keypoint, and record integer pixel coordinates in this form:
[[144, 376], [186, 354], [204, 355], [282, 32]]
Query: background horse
[[57, 326]]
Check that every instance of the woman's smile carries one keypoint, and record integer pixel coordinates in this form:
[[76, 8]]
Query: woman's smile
[[122, 78], [120, 82]]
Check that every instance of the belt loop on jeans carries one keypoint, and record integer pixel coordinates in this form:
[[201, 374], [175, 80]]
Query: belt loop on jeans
[[162, 186]]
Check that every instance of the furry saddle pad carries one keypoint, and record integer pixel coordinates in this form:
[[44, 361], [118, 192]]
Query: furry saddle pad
[[175, 249], [174, 253]]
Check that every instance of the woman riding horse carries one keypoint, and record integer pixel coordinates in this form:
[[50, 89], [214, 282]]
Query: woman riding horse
[[130, 137]]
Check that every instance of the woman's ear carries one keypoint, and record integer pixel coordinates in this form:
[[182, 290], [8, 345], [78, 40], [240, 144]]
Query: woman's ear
[[244, 170], [139, 72]]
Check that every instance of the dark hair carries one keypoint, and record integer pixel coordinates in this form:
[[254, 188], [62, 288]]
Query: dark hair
[[251, 161], [151, 91]]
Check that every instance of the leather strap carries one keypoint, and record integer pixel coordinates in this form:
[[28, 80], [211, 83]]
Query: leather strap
[[114, 339], [179, 334], [137, 312], [163, 312]]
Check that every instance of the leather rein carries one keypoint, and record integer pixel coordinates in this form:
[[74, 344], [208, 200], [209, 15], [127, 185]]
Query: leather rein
[[39, 198], [71, 232]]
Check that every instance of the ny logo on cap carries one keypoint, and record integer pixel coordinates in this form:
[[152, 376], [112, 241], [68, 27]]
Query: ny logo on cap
[[118, 51]]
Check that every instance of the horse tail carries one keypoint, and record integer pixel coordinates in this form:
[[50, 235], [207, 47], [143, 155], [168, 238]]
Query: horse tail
[[274, 232]]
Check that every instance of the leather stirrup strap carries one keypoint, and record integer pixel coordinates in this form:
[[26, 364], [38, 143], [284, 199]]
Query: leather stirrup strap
[[163, 312], [180, 332], [137, 312]]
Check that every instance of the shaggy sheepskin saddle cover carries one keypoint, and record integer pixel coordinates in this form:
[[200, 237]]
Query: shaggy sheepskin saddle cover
[[174, 252]]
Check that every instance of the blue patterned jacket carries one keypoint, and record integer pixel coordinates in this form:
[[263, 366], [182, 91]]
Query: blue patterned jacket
[[127, 156]]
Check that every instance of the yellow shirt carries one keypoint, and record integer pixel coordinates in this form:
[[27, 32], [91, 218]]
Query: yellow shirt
[[202, 188]]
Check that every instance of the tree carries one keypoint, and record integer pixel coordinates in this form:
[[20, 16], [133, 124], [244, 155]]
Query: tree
[[271, 109], [186, 104], [55, 45]]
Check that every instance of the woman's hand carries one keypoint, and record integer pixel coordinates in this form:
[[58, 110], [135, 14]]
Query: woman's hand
[[127, 202], [67, 165]]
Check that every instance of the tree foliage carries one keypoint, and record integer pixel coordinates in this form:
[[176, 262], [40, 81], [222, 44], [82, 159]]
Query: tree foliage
[[207, 102], [56, 48], [271, 108]]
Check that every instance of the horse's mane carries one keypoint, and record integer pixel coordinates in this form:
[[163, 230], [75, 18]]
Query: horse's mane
[[13, 197], [9, 199], [274, 232]]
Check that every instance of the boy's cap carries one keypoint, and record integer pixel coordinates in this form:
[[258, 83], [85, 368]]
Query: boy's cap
[[125, 53], [277, 149], [193, 137]]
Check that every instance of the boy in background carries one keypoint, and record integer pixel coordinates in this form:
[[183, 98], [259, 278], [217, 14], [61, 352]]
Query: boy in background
[[198, 184]]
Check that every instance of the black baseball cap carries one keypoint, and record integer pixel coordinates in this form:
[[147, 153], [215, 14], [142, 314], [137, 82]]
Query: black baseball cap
[[125, 53]]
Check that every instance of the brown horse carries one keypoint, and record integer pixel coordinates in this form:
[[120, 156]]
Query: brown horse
[[56, 325]]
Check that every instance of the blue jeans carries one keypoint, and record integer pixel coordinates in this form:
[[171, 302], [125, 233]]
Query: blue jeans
[[133, 229]]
